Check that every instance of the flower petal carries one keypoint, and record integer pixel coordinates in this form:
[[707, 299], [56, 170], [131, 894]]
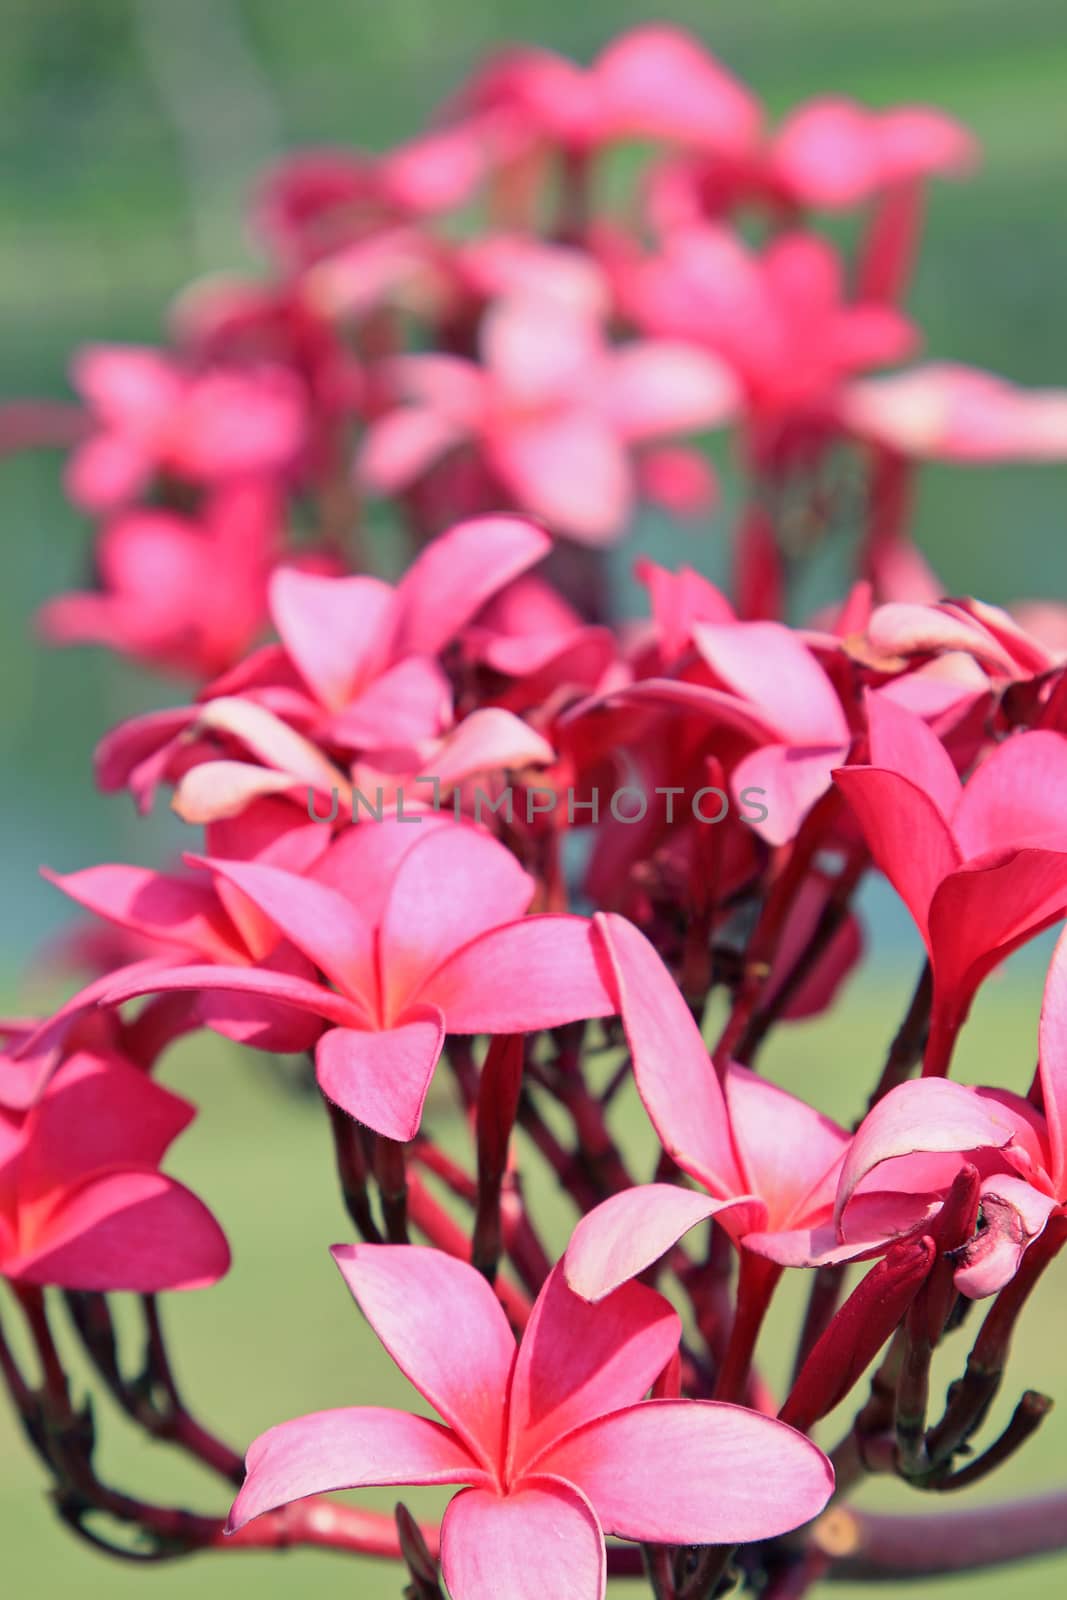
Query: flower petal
[[625, 1234], [541, 1539], [694, 1472], [445, 1329], [577, 1361], [353, 1448], [381, 1077], [538, 972]]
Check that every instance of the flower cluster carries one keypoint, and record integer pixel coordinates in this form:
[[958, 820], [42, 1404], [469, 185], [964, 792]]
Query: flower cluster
[[488, 348]]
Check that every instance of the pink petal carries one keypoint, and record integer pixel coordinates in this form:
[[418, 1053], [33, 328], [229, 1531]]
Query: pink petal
[[489, 740], [570, 469], [408, 703], [136, 1231], [622, 1236], [445, 1329], [987, 909], [906, 834], [929, 1116], [541, 352], [694, 1472], [674, 1075], [1052, 1052], [656, 387], [790, 779], [177, 911], [355, 1448], [903, 743], [788, 1152], [271, 741], [577, 1361], [1014, 1213], [536, 973], [150, 978], [381, 1078], [97, 1112], [453, 577], [1018, 796], [658, 82], [319, 921], [455, 884], [335, 630], [216, 791], [399, 447], [766, 664], [541, 1539]]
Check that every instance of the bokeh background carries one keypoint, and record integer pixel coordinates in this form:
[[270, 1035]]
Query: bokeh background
[[129, 132]]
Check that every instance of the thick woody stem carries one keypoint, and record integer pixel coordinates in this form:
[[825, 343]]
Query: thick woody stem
[[866, 1547]]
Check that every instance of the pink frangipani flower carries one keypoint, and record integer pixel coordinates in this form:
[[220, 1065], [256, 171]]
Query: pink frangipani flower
[[981, 867], [82, 1201], [419, 929], [553, 1441]]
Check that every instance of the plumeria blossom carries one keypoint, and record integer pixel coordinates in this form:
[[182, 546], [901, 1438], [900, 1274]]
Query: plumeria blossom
[[554, 1442], [653, 82], [185, 594], [82, 1201], [554, 408], [982, 867], [779, 319], [357, 669], [766, 1163], [420, 930], [920, 1133], [202, 428]]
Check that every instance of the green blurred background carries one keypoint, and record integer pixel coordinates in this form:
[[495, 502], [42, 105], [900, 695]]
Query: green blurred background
[[129, 130]]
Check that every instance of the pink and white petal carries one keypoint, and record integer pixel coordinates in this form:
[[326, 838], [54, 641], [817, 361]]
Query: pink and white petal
[[456, 884], [335, 630], [672, 1069], [906, 834], [929, 1117], [1052, 1036], [694, 1472], [271, 740], [353, 1448], [454, 576], [789, 780], [766, 664], [541, 1539], [538, 972], [381, 1077], [657, 387], [571, 469], [135, 1231], [216, 791], [623, 1235], [445, 1329], [578, 1361]]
